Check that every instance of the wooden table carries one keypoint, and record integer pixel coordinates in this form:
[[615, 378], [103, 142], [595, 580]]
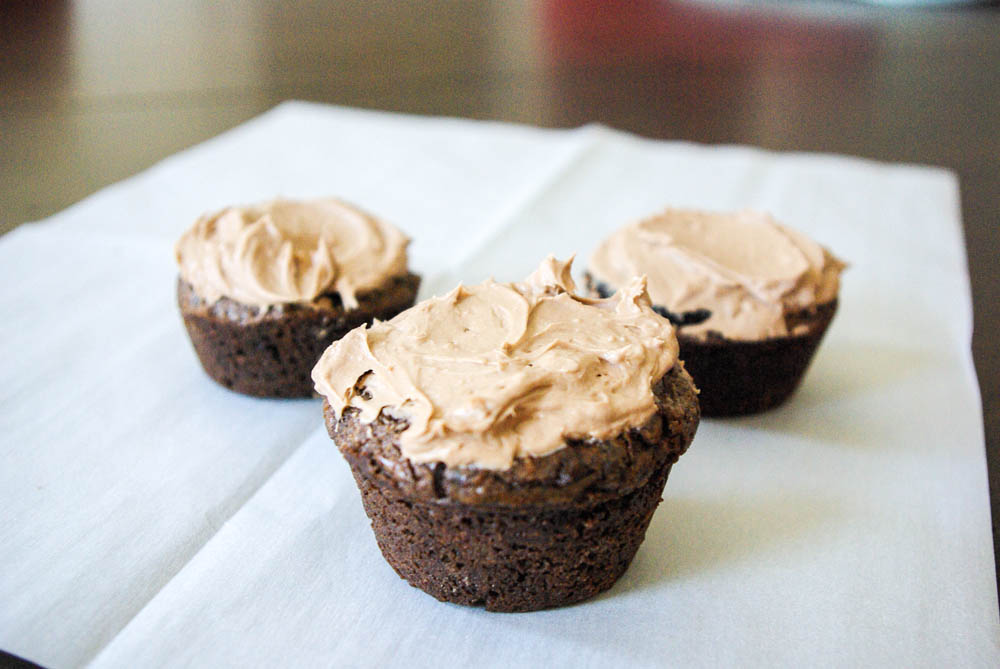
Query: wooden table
[[90, 96]]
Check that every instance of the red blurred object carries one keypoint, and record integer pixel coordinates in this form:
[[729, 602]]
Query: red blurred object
[[594, 31]]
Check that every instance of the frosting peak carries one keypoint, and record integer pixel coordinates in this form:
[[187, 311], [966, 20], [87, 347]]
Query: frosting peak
[[745, 268], [498, 371], [286, 251], [552, 276]]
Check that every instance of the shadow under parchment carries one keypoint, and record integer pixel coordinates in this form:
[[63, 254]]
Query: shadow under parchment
[[848, 374], [687, 538]]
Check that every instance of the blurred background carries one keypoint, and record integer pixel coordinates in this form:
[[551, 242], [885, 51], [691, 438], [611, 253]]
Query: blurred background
[[96, 90]]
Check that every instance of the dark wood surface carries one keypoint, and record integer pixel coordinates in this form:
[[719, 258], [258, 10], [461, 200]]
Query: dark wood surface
[[91, 94]]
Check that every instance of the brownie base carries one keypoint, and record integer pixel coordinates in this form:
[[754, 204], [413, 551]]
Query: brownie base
[[270, 352], [546, 532], [508, 560], [746, 377], [735, 377]]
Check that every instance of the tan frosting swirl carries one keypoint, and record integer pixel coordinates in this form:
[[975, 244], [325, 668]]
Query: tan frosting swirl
[[498, 371], [747, 269], [286, 251]]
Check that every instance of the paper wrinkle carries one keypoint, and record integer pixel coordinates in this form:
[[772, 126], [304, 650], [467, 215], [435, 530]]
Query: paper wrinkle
[[248, 497]]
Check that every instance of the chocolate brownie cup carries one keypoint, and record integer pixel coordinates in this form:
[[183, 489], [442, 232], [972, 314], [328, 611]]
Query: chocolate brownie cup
[[264, 289], [511, 441], [750, 298]]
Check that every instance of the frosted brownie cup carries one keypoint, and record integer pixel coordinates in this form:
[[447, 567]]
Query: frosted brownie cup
[[511, 441], [750, 298], [264, 289]]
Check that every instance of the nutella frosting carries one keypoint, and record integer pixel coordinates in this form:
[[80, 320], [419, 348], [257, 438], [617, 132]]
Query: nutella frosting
[[285, 251], [499, 371], [745, 268]]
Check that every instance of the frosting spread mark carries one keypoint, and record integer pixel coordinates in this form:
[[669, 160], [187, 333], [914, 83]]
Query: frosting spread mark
[[497, 371], [746, 269], [286, 251]]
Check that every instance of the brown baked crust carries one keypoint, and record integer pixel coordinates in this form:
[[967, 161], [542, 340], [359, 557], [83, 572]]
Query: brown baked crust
[[508, 559], [736, 377], [746, 377], [270, 351], [586, 471]]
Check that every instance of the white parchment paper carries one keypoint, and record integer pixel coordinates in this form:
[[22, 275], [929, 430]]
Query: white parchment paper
[[152, 518]]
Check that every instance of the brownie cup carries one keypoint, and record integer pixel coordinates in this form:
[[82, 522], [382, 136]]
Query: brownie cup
[[511, 441], [750, 299], [270, 351], [265, 289]]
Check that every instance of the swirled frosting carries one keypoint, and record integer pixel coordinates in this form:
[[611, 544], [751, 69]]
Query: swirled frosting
[[745, 268], [499, 371], [285, 251]]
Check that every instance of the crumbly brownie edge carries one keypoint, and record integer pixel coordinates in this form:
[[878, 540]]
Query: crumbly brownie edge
[[737, 377], [586, 471], [509, 559], [270, 352], [740, 378]]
